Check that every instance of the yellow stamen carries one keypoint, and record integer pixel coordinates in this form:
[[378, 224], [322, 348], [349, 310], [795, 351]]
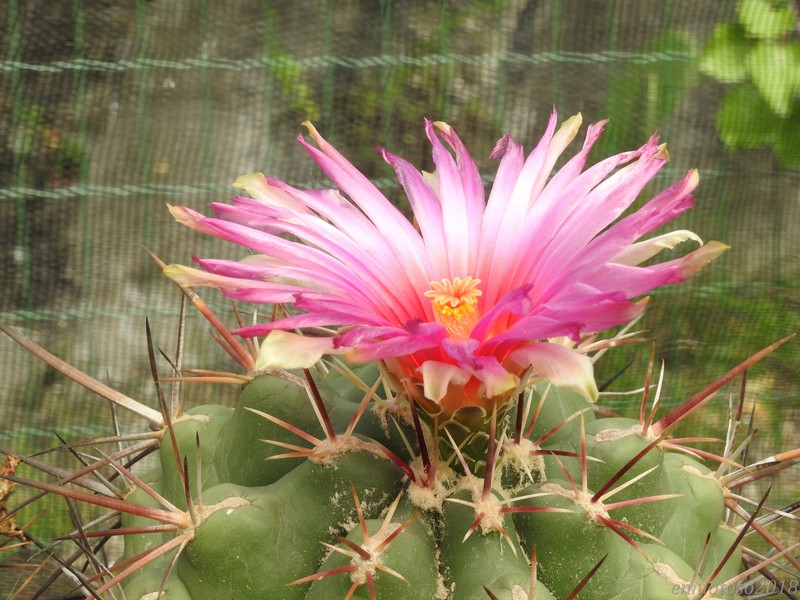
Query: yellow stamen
[[455, 304]]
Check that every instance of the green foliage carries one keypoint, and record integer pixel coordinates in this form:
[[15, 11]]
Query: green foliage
[[760, 55], [766, 19], [652, 90]]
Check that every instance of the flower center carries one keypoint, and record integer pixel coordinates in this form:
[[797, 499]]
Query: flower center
[[455, 304]]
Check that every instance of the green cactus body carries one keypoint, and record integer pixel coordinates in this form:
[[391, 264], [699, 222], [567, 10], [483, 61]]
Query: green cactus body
[[276, 527]]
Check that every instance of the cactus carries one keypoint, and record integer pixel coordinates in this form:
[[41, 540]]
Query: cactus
[[356, 477]]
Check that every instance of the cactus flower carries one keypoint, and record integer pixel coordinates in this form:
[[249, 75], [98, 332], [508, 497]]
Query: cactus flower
[[477, 296]]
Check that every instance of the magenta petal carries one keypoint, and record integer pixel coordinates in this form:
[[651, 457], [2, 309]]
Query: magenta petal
[[535, 327], [399, 343], [496, 380], [316, 319], [515, 302]]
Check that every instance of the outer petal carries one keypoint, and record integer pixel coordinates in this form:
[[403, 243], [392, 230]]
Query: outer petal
[[565, 368], [259, 188], [259, 291], [639, 252], [376, 343], [497, 380], [437, 377], [512, 159], [284, 350], [404, 241], [427, 211]]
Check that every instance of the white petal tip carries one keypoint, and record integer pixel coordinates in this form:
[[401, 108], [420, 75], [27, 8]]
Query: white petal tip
[[249, 181], [284, 350]]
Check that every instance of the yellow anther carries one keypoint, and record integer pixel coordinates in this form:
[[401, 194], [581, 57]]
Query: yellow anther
[[455, 304]]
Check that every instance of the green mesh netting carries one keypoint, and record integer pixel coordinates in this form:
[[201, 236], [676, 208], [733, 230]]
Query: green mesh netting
[[109, 109]]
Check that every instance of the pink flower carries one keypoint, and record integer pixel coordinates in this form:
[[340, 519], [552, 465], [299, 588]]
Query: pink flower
[[463, 306]]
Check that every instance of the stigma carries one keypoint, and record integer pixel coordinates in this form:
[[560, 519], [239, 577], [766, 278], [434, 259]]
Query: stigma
[[455, 304]]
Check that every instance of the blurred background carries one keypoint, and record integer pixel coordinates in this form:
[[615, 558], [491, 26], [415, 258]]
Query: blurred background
[[111, 109]]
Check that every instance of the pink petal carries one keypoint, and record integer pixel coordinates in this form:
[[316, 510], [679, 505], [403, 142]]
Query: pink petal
[[496, 380], [427, 212], [462, 197]]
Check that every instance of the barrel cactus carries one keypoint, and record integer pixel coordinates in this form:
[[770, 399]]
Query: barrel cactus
[[418, 415]]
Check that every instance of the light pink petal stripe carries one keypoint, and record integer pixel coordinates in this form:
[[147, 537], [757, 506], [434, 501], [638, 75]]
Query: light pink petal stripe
[[267, 292], [472, 201], [364, 234], [455, 215], [325, 250], [665, 206], [601, 206], [398, 233], [309, 278], [427, 212], [512, 218], [512, 160], [595, 315], [635, 281], [563, 196]]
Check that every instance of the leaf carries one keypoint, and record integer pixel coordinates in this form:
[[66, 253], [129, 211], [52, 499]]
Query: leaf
[[650, 91], [762, 19], [774, 68], [745, 120], [787, 141], [725, 56]]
